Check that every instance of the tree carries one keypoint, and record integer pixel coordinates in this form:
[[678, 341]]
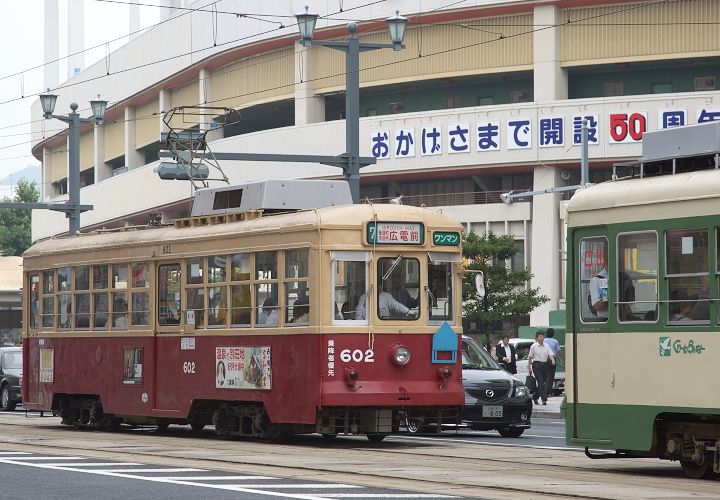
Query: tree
[[15, 225], [506, 291]]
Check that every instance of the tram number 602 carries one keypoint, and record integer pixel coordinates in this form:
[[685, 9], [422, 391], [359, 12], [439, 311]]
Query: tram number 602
[[189, 367], [347, 355]]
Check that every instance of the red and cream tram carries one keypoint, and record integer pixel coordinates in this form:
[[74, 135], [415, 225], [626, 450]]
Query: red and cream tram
[[337, 320]]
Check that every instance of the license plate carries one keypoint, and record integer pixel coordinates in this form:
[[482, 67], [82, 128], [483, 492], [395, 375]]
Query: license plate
[[492, 411]]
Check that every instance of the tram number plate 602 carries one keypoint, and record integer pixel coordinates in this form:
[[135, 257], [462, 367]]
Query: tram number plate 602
[[357, 355], [492, 411], [189, 367]]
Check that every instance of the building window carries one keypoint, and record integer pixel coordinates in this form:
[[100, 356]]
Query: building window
[[485, 101], [519, 96], [705, 83], [371, 112], [661, 88], [395, 107], [517, 262], [612, 89], [452, 101]]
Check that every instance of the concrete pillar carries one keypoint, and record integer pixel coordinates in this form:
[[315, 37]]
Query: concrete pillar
[[133, 158], [76, 38], [309, 108], [134, 19], [550, 79], [206, 97], [165, 104], [51, 31], [545, 244], [102, 170], [46, 190]]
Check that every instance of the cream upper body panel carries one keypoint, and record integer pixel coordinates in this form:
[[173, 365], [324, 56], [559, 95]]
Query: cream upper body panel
[[299, 228], [650, 198]]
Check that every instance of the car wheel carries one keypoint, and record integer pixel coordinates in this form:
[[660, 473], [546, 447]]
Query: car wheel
[[376, 438], [511, 432], [5, 404], [413, 425]]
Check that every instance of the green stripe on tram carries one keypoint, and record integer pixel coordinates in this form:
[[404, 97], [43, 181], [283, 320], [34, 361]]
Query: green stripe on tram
[[620, 427]]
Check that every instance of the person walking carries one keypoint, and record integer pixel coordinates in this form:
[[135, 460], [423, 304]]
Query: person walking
[[554, 346], [506, 356], [539, 360]]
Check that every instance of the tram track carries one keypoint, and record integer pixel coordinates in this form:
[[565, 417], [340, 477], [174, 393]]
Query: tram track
[[454, 468]]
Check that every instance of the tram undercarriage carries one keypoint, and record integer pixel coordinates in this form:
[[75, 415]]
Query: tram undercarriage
[[248, 419]]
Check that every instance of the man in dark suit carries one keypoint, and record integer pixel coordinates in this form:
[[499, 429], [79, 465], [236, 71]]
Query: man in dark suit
[[505, 354]]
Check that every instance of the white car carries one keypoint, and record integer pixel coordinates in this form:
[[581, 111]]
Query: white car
[[522, 350]]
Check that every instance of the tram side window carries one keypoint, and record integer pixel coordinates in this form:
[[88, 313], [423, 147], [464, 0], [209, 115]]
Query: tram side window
[[593, 285], [48, 300], [65, 312], [140, 294], [297, 293], [688, 280], [240, 290], [440, 286], [266, 288], [636, 282], [398, 295], [169, 281], [217, 295], [34, 300], [349, 286], [82, 297], [100, 297], [195, 295]]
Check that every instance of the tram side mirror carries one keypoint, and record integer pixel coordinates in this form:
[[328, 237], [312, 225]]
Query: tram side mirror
[[480, 284]]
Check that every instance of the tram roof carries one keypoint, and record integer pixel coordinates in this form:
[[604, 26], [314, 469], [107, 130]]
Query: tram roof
[[650, 198], [336, 217]]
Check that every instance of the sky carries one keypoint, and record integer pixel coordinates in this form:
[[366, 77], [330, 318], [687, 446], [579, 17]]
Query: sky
[[22, 42]]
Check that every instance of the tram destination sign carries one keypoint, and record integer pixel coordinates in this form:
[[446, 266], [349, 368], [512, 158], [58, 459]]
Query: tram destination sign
[[395, 233], [446, 238]]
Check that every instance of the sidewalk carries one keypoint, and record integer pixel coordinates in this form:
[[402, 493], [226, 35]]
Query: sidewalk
[[552, 410]]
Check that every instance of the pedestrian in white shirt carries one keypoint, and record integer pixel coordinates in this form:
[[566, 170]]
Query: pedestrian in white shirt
[[539, 361]]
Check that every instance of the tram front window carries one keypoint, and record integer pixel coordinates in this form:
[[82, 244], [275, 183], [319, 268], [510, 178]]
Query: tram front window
[[398, 291]]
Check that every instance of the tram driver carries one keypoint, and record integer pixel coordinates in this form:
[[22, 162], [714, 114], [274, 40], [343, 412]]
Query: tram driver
[[388, 307]]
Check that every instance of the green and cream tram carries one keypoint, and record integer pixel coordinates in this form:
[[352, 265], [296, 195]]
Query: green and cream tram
[[643, 309]]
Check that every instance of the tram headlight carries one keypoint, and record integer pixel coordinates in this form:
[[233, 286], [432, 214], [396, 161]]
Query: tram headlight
[[400, 354]]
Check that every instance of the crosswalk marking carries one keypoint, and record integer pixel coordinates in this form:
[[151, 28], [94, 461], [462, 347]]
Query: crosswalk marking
[[306, 486], [71, 464], [216, 478], [150, 470], [93, 464]]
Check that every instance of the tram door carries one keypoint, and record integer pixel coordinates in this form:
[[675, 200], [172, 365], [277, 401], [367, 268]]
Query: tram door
[[590, 390]]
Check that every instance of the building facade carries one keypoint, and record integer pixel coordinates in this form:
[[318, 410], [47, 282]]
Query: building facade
[[484, 99]]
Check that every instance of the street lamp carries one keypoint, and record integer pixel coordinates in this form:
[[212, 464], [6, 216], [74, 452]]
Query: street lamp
[[352, 48], [47, 101]]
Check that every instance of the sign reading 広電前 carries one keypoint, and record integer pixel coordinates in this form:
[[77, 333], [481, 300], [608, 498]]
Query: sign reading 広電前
[[395, 233]]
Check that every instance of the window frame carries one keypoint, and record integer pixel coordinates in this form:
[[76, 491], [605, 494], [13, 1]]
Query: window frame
[[344, 256], [667, 277], [616, 287]]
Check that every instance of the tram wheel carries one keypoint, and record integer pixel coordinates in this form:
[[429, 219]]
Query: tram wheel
[[695, 471], [329, 436], [376, 438], [162, 427], [197, 427], [511, 432]]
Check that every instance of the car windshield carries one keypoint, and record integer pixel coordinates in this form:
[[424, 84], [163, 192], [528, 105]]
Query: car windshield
[[13, 360], [475, 357]]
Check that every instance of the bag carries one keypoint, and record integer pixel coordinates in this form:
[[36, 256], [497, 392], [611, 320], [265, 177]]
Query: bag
[[531, 383]]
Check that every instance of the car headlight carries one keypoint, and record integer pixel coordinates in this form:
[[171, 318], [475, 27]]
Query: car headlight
[[521, 391]]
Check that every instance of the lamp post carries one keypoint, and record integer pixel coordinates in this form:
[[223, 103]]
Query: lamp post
[[352, 48], [47, 101]]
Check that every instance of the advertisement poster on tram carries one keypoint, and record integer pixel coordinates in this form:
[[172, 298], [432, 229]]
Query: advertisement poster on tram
[[243, 367]]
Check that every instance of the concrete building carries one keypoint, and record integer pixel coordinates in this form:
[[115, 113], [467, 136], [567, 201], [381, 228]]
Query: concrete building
[[10, 300], [486, 97]]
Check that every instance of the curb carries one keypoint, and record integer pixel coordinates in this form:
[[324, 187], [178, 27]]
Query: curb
[[546, 414]]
